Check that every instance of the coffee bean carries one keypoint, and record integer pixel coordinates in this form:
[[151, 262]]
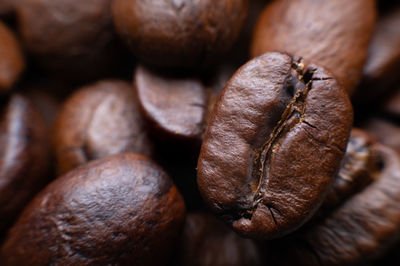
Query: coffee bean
[[332, 34], [356, 171], [380, 73], [178, 106], [359, 231], [119, 210], [99, 120], [179, 33], [273, 145], [72, 39], [12, 61], [208, 241], [24, 157], [174, 105]]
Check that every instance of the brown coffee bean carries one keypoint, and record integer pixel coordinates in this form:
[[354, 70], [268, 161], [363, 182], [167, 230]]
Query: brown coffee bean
[[356, 171], [380, 74], [119, 210], [12, 61], [178, 106], [207, 241], [24, 157], [72, 39], [359, 231], [175, 106], [332, 34], [179, 33], [384, 51], [99, 120], [273, 145]]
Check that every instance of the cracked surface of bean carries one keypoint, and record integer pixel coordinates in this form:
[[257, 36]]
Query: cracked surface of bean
[[273, 146]]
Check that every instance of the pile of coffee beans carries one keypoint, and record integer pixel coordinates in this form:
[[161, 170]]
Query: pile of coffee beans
[[206, 133]]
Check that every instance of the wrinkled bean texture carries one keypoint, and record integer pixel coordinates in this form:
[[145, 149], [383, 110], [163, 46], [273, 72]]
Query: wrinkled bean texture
[[359, 231], [24, 157], [99, 120], [331, 34], [206, 241], [12, 61], [120, 210], [179, 33], [273, 145]]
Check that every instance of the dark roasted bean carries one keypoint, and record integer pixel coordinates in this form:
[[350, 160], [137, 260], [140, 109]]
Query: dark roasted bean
[[119, 210], [99, 120], [273, 145], [331, 34]]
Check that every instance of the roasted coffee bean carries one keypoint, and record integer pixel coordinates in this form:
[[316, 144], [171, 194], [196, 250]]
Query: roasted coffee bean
[[119, 210], [380, 74], [71, 38], [99, 120], [332, 34], [358, 232], [175, 106], [384, 131], [12, 61], [179, 33], [273, 145], [178, 106], [24, 157], [207, 241], [356, 171]]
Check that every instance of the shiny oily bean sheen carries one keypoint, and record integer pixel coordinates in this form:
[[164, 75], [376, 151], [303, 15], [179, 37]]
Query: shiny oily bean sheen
[[99, 120], [359, 231], [332, 34], [179, 33], [206, 241], [175, 106], [178, 106], [273, 145], [12, 61], [24, 157], [119, 210]]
